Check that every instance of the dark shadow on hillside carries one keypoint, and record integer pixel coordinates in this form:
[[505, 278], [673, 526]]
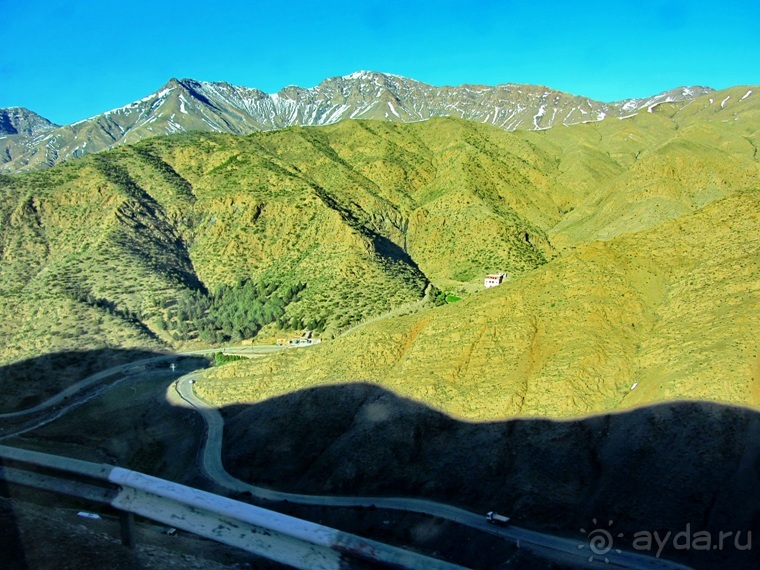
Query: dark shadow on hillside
[[28, 382], [121, 417], [679, 467], [387, 248], [101, 405], [130, 424], [676, 467]]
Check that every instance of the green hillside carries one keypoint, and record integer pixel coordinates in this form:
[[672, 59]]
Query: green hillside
[[635, 173], [665, 314], [131, 247], [211, 238]]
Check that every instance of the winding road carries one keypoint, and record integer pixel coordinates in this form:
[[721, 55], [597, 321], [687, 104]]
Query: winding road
[[77, 394], [83, 384], [574, 552]]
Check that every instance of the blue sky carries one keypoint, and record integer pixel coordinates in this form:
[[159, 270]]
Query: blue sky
[[70, 60]]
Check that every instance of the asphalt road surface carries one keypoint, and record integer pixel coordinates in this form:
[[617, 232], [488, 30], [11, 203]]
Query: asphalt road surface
[[564, 550], [574, 552]]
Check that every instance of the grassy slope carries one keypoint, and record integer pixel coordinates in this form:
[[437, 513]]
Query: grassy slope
[[669, 308], [366, 213], [67, 232], [93, 251], [635, 173], [394, 185]]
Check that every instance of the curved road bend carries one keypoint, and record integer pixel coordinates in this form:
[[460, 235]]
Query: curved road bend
[[75, 389], [561, 549], [103, 374]]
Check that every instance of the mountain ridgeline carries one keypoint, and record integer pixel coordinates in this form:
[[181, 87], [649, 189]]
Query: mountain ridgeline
[[19, 121], [212, 237], [189, 105]]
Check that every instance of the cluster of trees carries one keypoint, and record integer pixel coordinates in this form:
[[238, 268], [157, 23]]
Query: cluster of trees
[[231, 313], [220, 358], [82, 294], [117, 174]]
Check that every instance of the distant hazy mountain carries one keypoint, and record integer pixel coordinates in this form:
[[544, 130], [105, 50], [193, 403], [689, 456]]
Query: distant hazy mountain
[[189, 105]]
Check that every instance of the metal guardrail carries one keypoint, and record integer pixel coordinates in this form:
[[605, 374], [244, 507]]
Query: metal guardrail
[[285, 539]]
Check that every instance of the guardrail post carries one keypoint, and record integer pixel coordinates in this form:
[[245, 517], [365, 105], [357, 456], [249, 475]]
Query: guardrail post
[[127, 523]]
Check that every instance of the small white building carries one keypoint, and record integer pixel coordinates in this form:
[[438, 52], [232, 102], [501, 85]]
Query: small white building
[[494, 279]]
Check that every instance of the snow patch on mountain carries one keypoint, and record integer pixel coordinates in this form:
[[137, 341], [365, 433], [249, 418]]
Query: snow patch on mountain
[[539, 115], [187, 105]]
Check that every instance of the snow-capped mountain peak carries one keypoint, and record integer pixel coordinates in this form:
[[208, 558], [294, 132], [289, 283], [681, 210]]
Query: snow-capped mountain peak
[[191, 105]]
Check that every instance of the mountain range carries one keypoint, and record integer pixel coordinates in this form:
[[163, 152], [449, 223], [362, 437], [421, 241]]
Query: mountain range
[[615, 372], [135, 246], [29, 142]]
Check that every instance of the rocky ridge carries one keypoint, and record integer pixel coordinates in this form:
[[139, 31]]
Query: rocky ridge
[[190, 105]]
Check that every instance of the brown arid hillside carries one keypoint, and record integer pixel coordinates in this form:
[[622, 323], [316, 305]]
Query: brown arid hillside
[[615, 387], [670, 309], [203, 239]]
